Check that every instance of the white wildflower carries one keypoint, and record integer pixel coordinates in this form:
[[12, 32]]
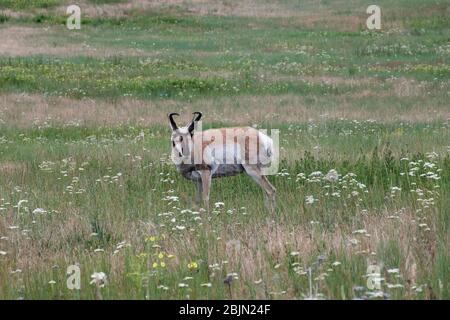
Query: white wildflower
[[332, 176], [99, 279], [207, 285], [219, 204], [394, 270], [310, 199], [394, 286], [39, 211]]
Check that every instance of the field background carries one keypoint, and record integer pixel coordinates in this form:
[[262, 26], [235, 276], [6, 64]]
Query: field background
[[85, 176]]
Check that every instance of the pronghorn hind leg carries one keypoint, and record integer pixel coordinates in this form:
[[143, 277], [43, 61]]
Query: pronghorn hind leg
[[269, 190], [272, 195], [206, 187]]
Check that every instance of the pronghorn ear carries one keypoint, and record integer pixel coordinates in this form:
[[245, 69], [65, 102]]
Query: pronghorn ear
[[172, 123], [197, 117]]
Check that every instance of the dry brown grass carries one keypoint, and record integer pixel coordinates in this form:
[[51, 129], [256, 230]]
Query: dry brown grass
[[329, 80], [404, 87], [399, 87], [25, 110], [28, 41], [239, 247], [244, 251], [248, 8], [8, 168], [309, 18]]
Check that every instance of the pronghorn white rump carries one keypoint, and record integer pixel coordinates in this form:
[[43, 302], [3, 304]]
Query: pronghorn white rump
[[201, 155]]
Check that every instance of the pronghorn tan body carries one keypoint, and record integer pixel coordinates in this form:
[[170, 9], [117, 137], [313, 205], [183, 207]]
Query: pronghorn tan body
[[201, 156]]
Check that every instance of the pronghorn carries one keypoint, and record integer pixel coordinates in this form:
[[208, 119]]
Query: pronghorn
[[202, 155]]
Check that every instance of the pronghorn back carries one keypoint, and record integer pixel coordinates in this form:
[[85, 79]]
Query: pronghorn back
[[240, 144]]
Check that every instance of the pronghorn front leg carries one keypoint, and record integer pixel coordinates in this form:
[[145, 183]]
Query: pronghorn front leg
[[199, 192], [206, 186]]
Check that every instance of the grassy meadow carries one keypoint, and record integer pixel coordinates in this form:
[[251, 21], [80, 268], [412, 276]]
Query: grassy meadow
[[86, 178]]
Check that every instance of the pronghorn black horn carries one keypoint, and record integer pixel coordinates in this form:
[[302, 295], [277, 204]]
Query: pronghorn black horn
[[173, 125], [197, 117]]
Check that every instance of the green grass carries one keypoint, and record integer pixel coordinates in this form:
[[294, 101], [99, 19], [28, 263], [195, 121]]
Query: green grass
[[123, 182], [137, 77], [114, 203], [187, 56], [27, 4]]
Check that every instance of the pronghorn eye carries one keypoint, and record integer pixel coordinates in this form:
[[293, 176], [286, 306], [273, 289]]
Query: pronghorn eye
[[173, 143], [181, 139]]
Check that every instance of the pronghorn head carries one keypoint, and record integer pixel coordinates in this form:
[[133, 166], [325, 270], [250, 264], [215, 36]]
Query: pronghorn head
[[181, 138]]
